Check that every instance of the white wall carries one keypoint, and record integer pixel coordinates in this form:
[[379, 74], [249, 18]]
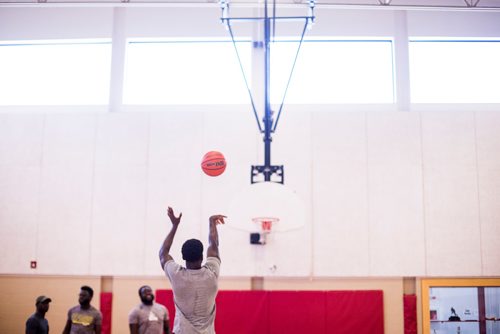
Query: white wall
[[387, 193]]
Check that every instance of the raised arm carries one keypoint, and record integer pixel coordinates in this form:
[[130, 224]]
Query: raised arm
[[213, 236], [167, 243]]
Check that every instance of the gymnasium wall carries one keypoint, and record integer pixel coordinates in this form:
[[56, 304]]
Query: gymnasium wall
[[388, 194]]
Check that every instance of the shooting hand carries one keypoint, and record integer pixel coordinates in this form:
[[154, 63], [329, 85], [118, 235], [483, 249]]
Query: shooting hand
[[217, 219], [175, 220]]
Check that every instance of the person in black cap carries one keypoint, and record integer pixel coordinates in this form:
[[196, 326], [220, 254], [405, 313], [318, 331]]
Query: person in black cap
[[37, 324]]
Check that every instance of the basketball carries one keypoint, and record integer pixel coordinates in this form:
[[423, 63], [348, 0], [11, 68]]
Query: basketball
[[213, 163]]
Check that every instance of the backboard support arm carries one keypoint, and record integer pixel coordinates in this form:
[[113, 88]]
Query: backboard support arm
[[267, 172]]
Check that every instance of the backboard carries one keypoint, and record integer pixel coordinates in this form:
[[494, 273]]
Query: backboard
[[282, 206]]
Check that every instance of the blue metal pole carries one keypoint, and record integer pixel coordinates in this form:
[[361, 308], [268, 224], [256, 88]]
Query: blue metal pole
[[267, 98], [269, 124]]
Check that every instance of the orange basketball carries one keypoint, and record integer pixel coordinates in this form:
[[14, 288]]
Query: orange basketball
[[213, 163]]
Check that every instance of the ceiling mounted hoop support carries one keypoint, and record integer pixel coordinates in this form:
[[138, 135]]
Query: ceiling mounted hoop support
[[472, 3], [267, 172]]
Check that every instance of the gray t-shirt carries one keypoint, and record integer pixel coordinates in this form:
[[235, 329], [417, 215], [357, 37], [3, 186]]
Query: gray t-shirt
[[149, 318], [194, 296], [84, 321]]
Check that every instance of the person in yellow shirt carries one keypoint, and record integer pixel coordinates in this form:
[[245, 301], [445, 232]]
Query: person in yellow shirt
[[84, 318]]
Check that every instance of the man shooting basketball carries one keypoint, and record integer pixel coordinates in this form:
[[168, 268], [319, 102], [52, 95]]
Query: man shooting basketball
[[195, 286]]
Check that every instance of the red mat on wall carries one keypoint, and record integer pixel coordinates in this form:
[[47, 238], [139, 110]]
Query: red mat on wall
[[410, 313], [106, 307], [360, 312], [275, 312], [297, 312], [242, 312], [166, 297]]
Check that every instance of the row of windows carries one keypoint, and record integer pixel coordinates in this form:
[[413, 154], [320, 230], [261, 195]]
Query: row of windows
[[208, 72]]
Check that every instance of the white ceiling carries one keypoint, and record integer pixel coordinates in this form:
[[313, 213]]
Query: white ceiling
[[476, 5]]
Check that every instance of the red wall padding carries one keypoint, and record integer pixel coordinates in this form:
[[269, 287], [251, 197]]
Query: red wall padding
[[166, 297], [297, 312], [276, 312], [242, 312], [410, 313], [106, 307], [360, 312]]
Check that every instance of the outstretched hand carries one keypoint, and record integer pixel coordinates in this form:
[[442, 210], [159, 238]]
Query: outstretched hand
[[175, 220], [217, 219]]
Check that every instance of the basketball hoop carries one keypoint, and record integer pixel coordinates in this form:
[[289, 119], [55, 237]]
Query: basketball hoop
[[265, 223]]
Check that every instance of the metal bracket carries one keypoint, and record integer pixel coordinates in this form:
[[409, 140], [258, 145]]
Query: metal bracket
[[268, 172]]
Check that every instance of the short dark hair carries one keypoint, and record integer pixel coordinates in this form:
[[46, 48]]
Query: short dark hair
[[88, 289], [142, 287], [192, 250]]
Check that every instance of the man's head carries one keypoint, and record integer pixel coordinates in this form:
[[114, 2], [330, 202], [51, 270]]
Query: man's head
[[42, 304], [146, 295], [192, 250], [85, 296]]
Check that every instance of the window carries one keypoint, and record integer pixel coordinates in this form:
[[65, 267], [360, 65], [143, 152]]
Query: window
[[186, 72], [208, 72], [333, 71], [455, 71], [55, 73], [452, 306]]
